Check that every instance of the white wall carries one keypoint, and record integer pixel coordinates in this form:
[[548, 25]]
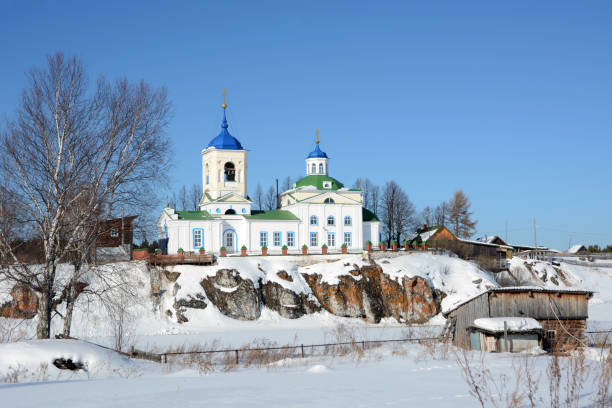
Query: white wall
[[271, 226], [322, 211]]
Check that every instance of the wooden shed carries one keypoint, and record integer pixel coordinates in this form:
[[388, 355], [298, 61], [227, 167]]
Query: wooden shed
[[562, 313]]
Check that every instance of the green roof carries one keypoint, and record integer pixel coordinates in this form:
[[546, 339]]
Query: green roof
[[317, 180], [272, 215], [368, 215], [193, 215], [208, 196]]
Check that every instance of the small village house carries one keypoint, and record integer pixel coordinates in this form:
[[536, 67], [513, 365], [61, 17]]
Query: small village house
[[561, 313], [115, 238]]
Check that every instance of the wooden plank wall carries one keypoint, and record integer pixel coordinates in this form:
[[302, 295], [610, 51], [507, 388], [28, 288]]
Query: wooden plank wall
[[465, 316], [540, 306]]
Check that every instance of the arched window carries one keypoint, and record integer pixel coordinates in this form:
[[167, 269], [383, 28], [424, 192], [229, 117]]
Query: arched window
[[314, 169], [320, 168], [314, 220], [207, 174], [230, 211], [229, 171], [331, 220], [348, 221], [329, 200]]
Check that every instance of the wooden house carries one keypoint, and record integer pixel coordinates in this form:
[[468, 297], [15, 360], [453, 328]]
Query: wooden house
[[492, 256], [562, 313], [114, 239]]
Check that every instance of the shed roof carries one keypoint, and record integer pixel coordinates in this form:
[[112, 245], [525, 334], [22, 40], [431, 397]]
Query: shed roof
[[523, 289]]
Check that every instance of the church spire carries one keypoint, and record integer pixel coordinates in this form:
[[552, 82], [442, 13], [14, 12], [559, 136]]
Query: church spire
[[224, 106]]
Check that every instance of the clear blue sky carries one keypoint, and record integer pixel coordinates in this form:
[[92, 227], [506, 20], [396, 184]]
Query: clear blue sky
[[510, 102]]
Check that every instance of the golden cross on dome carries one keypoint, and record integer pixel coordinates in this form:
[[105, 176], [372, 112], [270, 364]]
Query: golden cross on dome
[[317, 136], [224, 105]]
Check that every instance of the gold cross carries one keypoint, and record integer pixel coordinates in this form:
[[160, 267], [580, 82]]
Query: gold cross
[[224, 102], [317, 136]]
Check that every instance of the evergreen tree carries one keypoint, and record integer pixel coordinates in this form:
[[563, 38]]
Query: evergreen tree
[[460, 216]]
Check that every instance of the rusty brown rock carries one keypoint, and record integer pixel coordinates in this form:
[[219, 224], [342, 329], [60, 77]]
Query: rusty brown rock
[[284, 276], [376, 295]]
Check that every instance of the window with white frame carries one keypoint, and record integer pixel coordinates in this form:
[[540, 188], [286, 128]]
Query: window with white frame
[[331, 220], [348, 221], [313, 239], [197, 238], [347, 239], [331, 239], [263, 239], [314, 220], [321, 168], [314, 169], [290, 239], [276, 239]]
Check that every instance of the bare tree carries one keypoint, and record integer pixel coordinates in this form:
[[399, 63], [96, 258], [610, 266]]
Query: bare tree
[[259, 197], [182, 198], [460, 216], [389, 211], [71, 154], [194, 197], [427, 215], [287, 184], [404, 219], [270, 199], [440, 214], [374, 197]]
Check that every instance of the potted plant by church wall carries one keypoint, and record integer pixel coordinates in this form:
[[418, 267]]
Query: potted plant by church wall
[[324, 249], [243, 250], [285, 249], [424, 246], [381, 245], [415, 245], [344, 248], [304, 249], [223, 251], [406, 245], [202, 251], [368, 245], [264, 250], [180, 253], [158, 252], [394, 246]]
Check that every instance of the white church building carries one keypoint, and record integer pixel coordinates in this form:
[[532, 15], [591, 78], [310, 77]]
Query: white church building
[[318, 210]]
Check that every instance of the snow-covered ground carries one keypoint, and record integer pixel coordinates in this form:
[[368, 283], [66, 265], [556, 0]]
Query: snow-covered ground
[[391, 375], [409, 375]]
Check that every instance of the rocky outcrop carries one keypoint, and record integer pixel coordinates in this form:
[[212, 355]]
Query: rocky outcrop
[[287, 303], [373, 295], [364, 292], [181, 306], [234, 297]]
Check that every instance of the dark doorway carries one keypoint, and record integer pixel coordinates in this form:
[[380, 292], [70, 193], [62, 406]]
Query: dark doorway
[[230, 212]]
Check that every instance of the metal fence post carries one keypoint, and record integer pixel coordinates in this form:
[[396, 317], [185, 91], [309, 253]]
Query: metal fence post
[[236, 357], [302, 351]]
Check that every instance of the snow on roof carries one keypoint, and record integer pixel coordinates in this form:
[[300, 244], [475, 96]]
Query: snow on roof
[[576, 248], [428, 234], [515, 324]]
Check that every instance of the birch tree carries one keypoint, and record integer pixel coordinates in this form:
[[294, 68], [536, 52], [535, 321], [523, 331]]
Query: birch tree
[[72, 154]]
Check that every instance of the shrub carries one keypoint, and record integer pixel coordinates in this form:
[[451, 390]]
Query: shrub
[[344, 245], [285, 247], [394, 242], [201, 248], [369, 242], [304, 246], [180, 250], [243, 247], [223, 248], [264, 247], [324, 246]]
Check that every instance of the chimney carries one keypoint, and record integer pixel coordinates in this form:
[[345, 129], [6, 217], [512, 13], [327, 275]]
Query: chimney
[[425, 226]]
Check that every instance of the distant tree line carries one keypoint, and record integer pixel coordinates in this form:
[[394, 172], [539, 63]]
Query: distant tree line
[[594, 249], [400, 219]]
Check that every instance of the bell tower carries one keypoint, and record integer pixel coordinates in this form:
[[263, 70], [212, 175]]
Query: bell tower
[[317, 161], [224, 164]]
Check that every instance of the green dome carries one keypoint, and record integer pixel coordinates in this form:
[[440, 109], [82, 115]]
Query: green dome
[[316, 180]]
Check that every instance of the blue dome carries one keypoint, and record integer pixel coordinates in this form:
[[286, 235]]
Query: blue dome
[[224, 140], [317, 153]]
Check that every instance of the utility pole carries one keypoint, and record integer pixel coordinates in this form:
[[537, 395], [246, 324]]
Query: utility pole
[[535, 237], [506, 232]]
